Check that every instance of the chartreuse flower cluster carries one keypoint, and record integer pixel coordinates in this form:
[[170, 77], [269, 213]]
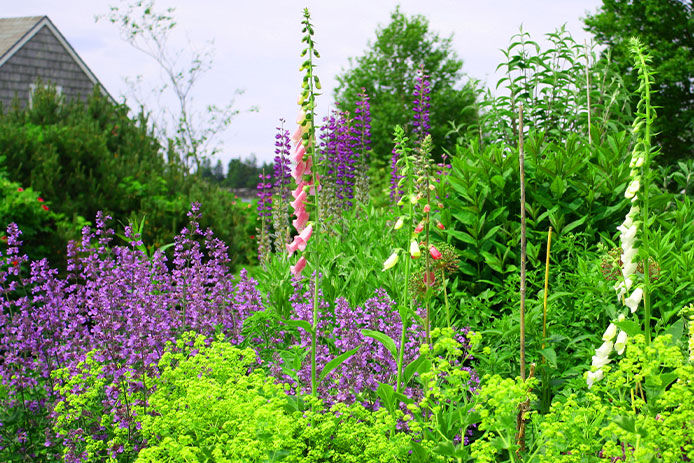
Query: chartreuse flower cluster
[[631, 288]]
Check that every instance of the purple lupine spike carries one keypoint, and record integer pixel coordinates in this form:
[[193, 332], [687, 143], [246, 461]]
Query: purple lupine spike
[[421, 105], [362, 124], [282, 168]]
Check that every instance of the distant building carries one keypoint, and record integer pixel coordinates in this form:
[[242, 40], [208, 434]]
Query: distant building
[[33, 50]]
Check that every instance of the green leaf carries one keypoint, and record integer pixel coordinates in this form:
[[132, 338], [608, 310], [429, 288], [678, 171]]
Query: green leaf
[[676, 330], [336, 362], [300, 324], [384, 339], [550, 355], [629, 327], [418, 365]]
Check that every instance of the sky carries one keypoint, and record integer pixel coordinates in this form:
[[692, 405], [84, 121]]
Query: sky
[[257, 43]]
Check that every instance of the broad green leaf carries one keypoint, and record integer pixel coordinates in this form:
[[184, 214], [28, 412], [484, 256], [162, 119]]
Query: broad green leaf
[[336, 362], [384, 339]]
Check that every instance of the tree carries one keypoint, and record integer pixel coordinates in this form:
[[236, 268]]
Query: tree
[[195, 132], [387, 71], [667, 29]]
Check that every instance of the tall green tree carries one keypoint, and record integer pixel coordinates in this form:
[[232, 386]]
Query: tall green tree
[[387, 71], [667, 29]]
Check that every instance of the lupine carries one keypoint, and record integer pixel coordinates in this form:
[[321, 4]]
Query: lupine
[[361, 130], [421, 105]]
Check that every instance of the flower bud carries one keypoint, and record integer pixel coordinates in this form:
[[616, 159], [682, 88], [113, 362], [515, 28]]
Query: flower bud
[[398, 224], [391, 261], [414, 249]]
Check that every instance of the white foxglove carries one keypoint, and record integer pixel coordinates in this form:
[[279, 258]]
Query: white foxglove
[[633, 301], [610, 332], [633, 189], [621, 342], [592, 377]]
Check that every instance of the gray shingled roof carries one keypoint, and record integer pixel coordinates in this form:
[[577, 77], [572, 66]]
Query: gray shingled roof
[[13, 29]]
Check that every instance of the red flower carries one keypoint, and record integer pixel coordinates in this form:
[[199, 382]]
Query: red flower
[[40, 199], [15, 263], [45, 208], [440, 226], [435, 254], [419, 228], [20, 189], [3, 238], [427, 208], [252, 237]]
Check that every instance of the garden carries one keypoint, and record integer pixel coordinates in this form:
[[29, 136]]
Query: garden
[[518, 287]]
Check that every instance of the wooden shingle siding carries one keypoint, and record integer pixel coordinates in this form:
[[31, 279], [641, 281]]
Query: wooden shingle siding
[[44, 58]]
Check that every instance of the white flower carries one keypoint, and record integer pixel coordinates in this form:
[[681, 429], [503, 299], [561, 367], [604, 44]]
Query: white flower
[[592, 377], [632, 189], [628, 234], [621, 317], [621, 342], [610, 332], [602, 354], [629, 254], [623, 286], [633, 301], [629, 268], [637, 161]]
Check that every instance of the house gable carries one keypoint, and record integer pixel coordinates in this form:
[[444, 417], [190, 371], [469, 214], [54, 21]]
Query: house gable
[[41, 53]]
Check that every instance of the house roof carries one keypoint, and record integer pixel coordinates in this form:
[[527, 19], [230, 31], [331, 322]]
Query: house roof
[[15, 32]]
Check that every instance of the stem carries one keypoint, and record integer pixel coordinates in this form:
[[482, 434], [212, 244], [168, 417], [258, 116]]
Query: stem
[[407, 300], [445, 298], [521, 161], [544, 299], [427, 265], [590, 137]]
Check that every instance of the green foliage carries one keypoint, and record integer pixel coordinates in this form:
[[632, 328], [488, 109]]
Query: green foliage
[[44, 231], [387, 71], [497, 404], [89, 158], [249, 419], [245, 421], [80, 414], [570, 186], [642, 411], [666, 27], [557, 87]]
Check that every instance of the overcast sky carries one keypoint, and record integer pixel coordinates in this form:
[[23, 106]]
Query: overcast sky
[[257, 46]]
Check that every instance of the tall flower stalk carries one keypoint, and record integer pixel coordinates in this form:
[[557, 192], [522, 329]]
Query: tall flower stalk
[[307, 180], [629, 290], [362, 134]]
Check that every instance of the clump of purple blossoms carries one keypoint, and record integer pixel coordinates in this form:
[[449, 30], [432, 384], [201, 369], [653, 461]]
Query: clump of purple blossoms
[[361, 373], [282, 171], [282, 177], [421, 105], [118, 302], [361, 132]]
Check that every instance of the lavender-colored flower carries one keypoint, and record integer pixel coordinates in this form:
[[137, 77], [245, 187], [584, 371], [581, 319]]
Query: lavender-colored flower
[[421, 105], [120, 304], [361, 130], [282, 172]]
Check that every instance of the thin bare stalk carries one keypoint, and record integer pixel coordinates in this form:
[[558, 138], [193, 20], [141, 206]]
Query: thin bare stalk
[[521, 162], [544, 299], [590, 137]]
